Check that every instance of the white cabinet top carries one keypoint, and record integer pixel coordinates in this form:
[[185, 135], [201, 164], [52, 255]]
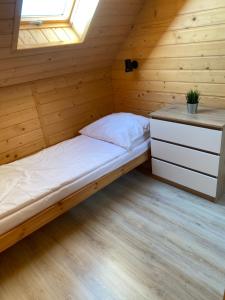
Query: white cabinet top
[[206, 117]]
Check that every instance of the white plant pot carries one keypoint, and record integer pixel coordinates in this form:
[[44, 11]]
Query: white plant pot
[[192, 108]]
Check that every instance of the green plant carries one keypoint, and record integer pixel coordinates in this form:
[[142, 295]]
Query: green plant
[[193, 97]]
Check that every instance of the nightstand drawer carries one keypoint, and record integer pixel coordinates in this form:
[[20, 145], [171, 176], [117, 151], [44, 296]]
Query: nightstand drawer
[[190, 179], [189, 158], [187, 135]]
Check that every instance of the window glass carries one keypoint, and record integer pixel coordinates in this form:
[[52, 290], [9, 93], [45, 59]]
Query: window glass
[[57, 9]]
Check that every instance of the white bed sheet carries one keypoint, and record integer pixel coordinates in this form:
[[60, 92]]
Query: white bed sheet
[[32, 184]]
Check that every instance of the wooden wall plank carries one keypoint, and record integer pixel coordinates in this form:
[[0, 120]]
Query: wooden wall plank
[[39, 114], [47, 95], [179, 45], [7, 10], [73, 101], [113, 20]]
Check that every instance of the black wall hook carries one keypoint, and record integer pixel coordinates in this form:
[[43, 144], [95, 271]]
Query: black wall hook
[[130, 65]]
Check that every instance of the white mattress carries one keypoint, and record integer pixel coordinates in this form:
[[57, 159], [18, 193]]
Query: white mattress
[[32, 184]]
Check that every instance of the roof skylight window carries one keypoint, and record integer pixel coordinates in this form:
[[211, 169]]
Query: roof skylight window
[[44, 23]]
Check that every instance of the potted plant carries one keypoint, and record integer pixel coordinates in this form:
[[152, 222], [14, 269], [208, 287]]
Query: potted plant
[[192, 101]]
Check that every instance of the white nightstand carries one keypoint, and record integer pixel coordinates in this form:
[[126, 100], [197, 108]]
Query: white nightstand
[[188, 150]]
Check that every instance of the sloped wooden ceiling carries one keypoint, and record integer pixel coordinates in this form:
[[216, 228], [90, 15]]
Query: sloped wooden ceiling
[[47, 96], [110, 26], [180, 44]]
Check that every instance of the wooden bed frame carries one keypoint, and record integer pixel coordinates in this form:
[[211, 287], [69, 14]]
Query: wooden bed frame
[[24, 229]]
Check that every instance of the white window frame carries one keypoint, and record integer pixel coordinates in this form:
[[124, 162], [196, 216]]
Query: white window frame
[[75, 16]]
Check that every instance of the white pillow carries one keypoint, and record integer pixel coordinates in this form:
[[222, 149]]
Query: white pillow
[[123, 129]]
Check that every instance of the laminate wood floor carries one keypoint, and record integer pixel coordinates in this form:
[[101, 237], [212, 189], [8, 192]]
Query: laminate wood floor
[[136, 239]]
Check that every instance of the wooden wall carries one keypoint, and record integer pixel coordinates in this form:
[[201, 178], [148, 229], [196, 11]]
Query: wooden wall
[[38, 114], [180, 44], [47, 95], [109, 27]]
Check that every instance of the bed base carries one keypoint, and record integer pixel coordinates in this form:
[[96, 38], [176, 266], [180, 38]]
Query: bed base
[[34, 223]]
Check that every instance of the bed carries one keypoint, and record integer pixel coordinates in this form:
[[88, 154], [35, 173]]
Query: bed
[[37, 189]]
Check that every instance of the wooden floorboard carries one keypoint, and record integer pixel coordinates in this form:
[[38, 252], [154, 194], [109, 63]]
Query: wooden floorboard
[[136, 239]]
